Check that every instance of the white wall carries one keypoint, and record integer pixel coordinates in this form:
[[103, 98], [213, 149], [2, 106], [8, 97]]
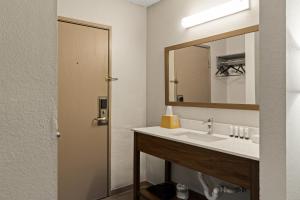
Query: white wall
[[250, 85], [164, 29], [236, 89], [273, 100], [293, 99], [128, 23], [218, 85], [172, 85], [28, 143]]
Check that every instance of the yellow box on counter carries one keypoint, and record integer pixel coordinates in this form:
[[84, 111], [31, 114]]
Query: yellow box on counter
[[170, 121]]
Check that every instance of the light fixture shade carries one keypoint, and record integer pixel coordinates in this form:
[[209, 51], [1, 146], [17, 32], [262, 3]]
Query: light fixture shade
[[229, 8]]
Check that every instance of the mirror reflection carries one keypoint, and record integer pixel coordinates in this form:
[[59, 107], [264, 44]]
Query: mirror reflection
[[223, 71]]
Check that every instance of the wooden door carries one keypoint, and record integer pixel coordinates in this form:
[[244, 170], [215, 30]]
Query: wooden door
[[83, 145], [192, 71]]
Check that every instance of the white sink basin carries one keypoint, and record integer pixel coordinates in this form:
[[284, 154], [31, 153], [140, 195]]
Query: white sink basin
[[199, 136]]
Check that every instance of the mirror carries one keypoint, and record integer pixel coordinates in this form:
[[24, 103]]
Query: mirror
[[220, 71]]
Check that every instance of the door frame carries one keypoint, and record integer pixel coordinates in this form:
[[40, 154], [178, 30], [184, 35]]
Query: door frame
[[109, 29]]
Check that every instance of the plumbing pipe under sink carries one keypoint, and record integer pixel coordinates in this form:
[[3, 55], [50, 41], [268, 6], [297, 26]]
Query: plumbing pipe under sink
[[217, 191]]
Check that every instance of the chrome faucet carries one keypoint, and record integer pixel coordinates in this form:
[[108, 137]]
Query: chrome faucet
[[210, 124]]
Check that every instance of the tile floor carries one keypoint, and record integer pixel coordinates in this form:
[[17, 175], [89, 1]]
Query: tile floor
[[123, 196]]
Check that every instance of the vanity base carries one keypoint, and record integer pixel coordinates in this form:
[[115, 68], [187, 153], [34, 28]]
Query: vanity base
[[233, 169]]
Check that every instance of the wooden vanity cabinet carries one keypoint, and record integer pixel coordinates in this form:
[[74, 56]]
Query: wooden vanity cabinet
[[233, 169]]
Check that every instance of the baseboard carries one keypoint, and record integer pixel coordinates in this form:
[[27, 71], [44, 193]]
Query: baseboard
[[128, 188]]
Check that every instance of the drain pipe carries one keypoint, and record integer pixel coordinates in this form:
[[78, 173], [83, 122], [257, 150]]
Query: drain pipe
[[217, 190]]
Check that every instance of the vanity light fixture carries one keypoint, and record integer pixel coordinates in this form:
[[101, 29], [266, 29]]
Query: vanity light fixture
[[223, 10]]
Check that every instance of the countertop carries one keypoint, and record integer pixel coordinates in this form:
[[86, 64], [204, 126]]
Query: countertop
[[234, 146]]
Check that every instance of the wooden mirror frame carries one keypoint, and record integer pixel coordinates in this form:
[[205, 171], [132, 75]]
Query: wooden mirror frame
[[238, 32]]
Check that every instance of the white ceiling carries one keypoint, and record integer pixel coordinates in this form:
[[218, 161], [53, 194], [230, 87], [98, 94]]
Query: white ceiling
[[144, 2]]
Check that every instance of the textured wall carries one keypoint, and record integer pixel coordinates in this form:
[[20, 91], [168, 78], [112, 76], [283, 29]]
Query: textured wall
[[164, 29], [273, 99], [128, 23], [28, 144], [293, 99]]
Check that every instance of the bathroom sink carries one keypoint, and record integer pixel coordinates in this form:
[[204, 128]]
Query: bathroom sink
[[199, 136]]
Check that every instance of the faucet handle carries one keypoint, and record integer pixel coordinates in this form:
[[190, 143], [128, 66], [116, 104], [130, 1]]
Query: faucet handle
[[210, 124], [210, 120]]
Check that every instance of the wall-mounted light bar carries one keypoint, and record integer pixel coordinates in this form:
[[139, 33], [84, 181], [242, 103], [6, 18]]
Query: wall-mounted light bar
[[229, 8]]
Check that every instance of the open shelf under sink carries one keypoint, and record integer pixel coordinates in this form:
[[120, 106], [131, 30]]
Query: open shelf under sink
[[145, 194]]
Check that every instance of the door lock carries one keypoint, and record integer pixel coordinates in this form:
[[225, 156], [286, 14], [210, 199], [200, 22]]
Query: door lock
[[102, 119]]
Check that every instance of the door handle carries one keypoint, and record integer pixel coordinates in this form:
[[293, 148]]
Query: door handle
[[99, 119]]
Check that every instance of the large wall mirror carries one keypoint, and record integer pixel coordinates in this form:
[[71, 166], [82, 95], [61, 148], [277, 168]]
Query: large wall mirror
[[220, 71]]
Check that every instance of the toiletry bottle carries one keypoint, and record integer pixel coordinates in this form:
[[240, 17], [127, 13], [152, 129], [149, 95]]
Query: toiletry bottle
[[231, 133], [247, 135], [241, 132], [236, 131]]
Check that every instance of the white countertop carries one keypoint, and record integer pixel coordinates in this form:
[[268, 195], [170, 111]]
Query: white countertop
[[234, 146]]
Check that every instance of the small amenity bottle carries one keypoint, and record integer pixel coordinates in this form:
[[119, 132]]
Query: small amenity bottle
[[182, 191]]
